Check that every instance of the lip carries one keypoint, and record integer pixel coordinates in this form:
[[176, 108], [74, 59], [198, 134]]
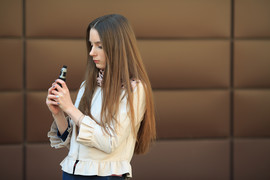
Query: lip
[[95, 61]]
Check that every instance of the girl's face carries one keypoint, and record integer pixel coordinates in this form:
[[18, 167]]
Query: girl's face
[[97, 51]]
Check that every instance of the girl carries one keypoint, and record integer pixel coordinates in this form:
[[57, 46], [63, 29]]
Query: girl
[[113, 115]]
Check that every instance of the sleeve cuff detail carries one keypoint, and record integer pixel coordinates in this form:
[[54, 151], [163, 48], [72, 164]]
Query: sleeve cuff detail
[[65, 134], [85, 135], [55, 140], [92, 135]]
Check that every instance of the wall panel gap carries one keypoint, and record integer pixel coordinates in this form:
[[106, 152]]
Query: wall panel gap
[[24, 88], [232, 93]]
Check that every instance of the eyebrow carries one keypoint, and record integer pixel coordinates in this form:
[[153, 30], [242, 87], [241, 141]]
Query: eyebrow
[[97, 42]]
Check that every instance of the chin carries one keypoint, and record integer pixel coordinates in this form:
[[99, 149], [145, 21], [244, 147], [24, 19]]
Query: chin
[[100, 67]]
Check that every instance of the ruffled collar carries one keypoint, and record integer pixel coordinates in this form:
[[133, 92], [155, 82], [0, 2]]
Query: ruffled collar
[[100, 76]]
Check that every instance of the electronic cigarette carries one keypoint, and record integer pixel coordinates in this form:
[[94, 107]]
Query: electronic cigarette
[[63, 74]]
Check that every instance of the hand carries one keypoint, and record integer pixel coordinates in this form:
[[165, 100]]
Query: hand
[[51, 102], [61, 95]]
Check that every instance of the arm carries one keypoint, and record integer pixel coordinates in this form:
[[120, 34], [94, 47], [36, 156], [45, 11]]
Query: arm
[[62, 99], [55, 140], [92, 135], [60, 123], [61, 128], [57, 113]]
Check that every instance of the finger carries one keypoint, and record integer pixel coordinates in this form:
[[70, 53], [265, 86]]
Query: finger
[[54, 92], [58, 87], [54, 103], [63, 83], [50, 102], [53, 83], [50, 90], [52, 97]]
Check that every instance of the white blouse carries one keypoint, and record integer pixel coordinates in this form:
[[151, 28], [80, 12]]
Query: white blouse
[[99, 153]]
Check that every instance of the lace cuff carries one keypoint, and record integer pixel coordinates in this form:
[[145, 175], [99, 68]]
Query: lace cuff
[[65, 134], [55, 140]]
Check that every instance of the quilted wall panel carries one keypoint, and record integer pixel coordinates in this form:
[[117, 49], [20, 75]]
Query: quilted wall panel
[[208, 62]]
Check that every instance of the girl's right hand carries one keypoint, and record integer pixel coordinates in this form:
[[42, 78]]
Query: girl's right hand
[[52, 103]]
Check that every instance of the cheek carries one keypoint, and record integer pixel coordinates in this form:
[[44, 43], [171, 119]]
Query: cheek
[[103, 57], [103, 63]]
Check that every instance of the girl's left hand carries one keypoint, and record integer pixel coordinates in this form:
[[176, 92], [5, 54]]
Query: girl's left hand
[[62, 95]]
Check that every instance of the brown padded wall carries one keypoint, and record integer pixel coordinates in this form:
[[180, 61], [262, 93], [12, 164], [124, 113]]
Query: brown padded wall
[[11, 64], [38, 118], [173, 63], [208, 62], [252, 18], [252, 160], [251, 64], [11, 18], [11, 166], [181, 159], [45, 58], [252, 114], [152, 18], [42, 157], [208, 67], [11, 110], [189, 114]]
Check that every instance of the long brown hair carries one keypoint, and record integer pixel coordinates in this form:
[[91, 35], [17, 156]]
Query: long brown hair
[[123, 62]]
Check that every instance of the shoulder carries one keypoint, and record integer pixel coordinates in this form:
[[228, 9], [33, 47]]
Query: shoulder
[[82, 88], [138, 89], [136, 85], [82, 85], [80, 94]]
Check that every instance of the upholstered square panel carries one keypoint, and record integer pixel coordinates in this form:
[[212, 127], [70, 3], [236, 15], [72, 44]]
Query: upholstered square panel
[[252, 64], [43, 162], [193, 113], [45, 58], [251, 159], [11, 18], [187, 63], [152, 18], [251, 113], [11, 64], [11, 110], [252, 18], [205, 159], [39, 118], [11, 166]]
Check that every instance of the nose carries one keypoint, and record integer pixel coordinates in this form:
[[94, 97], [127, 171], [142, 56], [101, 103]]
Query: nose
[[92, 52]]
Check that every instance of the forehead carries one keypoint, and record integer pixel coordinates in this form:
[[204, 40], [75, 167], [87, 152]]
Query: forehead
[[94, 36]]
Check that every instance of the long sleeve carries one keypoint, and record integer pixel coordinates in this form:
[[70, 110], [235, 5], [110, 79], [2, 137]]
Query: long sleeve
[[65, 134], [92, 135], [55, 140]]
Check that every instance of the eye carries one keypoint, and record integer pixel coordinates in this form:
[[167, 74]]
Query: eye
[[100, 47]]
